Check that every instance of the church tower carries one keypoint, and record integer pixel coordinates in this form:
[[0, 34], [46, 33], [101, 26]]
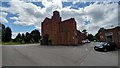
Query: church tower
[[56, 20], [56, 16]]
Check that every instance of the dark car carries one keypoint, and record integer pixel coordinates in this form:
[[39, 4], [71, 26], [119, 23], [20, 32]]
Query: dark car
[[105, 46]]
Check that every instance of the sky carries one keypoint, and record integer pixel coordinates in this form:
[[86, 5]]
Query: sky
[[24, 16]]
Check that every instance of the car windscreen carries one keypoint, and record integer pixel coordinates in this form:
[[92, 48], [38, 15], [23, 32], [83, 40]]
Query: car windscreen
[[103, 44]]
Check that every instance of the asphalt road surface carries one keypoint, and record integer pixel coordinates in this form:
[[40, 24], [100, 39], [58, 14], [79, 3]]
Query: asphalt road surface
[[37, 55]]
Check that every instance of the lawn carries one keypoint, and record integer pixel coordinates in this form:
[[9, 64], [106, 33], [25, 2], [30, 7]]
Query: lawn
[[10, 43], [13, 43]]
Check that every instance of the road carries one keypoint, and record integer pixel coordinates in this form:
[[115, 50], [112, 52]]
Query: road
[[37, 55]]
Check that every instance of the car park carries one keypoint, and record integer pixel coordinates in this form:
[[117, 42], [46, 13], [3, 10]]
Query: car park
[[105, 46]]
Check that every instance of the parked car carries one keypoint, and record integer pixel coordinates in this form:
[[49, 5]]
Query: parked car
[[86, 41], [105, 46]]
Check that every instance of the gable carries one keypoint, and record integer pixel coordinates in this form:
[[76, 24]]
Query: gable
[[46, 21]]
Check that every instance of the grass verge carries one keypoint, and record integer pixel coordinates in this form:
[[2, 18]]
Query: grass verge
[[10, 43], [14, 43]]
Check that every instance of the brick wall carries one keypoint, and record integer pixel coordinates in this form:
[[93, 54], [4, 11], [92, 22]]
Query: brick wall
[[113, 32], [60, 32]]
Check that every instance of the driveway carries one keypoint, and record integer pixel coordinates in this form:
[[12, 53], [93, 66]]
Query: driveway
[[37, 55]]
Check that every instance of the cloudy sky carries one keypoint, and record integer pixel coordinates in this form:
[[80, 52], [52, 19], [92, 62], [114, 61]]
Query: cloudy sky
[[23, 16]]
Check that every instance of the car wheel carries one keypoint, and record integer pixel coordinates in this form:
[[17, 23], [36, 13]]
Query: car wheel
[[105, 50]]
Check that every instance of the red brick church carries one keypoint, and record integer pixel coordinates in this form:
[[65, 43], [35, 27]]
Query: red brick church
[[58, 32]]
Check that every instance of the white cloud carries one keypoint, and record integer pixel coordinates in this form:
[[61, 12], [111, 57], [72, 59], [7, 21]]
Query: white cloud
[[14, 18], [14, 35], [102, 15], [99, 15], [3, 17], [64, 0], [3, 9], [30, 14]]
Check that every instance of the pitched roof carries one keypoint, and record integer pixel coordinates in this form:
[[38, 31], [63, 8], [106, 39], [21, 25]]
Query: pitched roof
[[68, 20]]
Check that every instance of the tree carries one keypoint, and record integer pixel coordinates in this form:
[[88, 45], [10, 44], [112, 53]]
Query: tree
[[3, 26], [27, 37], [7, 34], [34, 37], [97, 38], [84, 33], [23, 38], [0, 32], [90, 37], [3, 32], [18, 38], [35, 34]]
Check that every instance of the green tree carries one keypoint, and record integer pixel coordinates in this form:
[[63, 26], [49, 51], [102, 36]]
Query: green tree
[[19, 38], [3, 35], [23, 38], [3, 26], [6, 34], [35, 34], [0, 32], [3, 32], [27, 37], [85, 33], [90, 37], [97, 38]]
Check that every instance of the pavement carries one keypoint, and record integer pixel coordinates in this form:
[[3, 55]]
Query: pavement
[[37, 55]]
